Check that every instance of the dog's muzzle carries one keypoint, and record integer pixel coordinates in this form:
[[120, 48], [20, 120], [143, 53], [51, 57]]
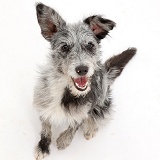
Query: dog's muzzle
[[81, 83]]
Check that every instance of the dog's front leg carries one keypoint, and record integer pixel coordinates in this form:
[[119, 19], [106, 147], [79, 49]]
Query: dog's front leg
[[66, 137], [42, 148]]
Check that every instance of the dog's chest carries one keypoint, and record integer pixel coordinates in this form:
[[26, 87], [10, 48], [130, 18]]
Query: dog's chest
[[66, 108], [59, 113]]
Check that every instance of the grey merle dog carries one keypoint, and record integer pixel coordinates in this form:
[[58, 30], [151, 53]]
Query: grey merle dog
[[74, 86]]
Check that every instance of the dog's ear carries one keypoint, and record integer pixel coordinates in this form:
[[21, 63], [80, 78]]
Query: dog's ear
[[49, 20], [114, 66], [100, 26]]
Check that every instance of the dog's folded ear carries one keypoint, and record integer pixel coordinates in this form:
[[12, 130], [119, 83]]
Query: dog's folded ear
[[49, 20], [100, 26], [115, 65]]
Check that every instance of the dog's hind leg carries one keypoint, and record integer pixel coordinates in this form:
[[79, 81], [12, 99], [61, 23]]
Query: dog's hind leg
[[42, 148], [89, 127], [66, 137]]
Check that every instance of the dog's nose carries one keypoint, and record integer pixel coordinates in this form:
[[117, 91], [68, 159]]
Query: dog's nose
[[82, 70]]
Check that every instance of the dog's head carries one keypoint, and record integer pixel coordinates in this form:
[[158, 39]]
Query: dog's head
[[75, 48]]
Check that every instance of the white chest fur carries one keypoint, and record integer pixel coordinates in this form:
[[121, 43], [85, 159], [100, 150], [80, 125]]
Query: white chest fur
[[54, 111]]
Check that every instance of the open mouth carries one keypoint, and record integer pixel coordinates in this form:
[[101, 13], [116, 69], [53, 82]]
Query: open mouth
[[81, 83]]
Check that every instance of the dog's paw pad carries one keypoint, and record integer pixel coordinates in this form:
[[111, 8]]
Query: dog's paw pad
[[39, 155]]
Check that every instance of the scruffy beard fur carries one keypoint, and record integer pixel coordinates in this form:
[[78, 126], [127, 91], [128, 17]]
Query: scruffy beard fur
[[74, 86]]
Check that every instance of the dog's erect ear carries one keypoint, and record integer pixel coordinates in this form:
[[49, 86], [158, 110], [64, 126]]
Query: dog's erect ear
[[114, 66], [100, 26], [49, 20]]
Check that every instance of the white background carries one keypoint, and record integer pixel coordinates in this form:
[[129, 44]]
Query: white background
[[133, 133]]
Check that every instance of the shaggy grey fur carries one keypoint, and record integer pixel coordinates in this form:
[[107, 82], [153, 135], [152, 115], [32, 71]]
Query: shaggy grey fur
[[74, 86]]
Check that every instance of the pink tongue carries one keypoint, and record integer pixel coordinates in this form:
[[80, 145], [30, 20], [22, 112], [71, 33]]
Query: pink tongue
[[81, 81]]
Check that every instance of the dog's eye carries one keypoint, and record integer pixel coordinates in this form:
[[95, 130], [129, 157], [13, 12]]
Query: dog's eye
[[65, 48], [90, 46]]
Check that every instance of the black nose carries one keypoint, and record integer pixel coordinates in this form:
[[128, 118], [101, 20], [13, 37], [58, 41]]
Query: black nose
[[82, 70]]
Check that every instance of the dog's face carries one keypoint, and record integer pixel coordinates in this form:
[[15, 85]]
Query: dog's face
[[75, 48], [75, 52]]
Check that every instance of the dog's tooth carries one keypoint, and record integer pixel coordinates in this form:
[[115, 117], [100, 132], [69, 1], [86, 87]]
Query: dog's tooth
[[77, 84]]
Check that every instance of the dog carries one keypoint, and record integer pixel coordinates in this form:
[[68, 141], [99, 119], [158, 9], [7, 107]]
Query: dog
[[74, 86]]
